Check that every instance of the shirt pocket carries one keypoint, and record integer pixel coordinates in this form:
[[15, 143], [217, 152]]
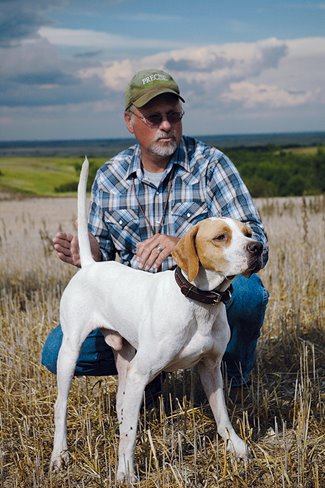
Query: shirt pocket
[[187, 214], [123, 225]]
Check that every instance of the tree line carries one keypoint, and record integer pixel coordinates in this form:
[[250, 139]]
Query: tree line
[[268, 171]]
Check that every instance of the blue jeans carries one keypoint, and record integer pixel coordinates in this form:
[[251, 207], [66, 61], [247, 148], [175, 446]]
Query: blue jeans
[[245, 312]]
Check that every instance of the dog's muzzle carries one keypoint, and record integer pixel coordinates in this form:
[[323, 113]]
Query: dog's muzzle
[[255, 249]]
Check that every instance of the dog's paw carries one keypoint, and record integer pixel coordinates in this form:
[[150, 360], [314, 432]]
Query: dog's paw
[[122, 477], [239, 448], [59, 461]]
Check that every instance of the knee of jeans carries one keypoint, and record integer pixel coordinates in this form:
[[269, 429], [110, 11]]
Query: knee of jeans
[[51, 350], [251, 291], [259, 294], [247, 309], [48, 360]]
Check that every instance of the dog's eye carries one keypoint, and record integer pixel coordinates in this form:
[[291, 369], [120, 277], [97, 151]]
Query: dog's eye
[[220, 237]]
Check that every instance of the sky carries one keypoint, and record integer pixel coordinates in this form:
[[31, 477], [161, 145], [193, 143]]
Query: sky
[[242, 66]]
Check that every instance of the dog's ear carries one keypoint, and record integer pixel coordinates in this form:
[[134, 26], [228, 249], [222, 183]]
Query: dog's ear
[[185, 254]]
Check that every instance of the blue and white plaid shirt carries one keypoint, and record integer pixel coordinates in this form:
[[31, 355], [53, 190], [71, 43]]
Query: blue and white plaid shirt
[[205, 184]]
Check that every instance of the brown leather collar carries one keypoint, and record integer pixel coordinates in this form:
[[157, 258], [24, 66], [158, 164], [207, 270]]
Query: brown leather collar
[[191, 291]]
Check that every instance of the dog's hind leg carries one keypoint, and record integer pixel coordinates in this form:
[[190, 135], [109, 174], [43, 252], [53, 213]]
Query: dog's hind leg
[[67, 360], [123, 358], [212, 382]]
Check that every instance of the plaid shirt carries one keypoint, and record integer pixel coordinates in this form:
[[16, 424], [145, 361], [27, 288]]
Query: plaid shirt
[[205, 184]]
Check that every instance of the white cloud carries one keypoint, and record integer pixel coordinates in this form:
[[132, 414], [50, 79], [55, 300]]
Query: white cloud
[[312, 46], [252, 95], [301, 70], [96, 39], [269, 72], [205, 67], [33, 74], [226, 86]]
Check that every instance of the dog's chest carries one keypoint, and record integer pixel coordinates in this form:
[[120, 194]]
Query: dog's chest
[[203, 341], [192, 353]]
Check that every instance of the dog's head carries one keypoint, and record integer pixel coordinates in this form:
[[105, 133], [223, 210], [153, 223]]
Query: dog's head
[[222, 245]]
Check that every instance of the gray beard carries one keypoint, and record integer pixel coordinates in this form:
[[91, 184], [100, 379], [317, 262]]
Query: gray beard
[[163, 149]]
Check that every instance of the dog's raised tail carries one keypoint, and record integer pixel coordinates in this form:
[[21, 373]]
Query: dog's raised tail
[[84, 244]]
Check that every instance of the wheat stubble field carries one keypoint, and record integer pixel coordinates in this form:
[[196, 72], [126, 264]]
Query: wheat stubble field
[[281, 416]]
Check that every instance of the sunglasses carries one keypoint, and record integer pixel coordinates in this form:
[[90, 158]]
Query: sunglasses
[[155, 120]]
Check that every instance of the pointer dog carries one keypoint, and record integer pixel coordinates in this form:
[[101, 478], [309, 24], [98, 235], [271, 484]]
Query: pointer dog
[[154, 323]]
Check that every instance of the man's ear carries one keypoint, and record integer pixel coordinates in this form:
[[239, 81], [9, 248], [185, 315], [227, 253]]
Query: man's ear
[[185, 254], [128, 122]]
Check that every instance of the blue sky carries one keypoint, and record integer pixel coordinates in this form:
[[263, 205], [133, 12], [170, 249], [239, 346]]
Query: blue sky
[[242, 66]]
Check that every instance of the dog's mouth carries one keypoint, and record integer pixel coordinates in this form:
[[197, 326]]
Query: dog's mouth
[[254, 266], [230, 277]]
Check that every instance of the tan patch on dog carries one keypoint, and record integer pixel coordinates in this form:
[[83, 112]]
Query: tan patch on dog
[[185, 254], [204, 244], [244, 228], [213, 237]]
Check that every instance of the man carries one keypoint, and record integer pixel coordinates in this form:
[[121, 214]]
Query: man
[[147, 197]]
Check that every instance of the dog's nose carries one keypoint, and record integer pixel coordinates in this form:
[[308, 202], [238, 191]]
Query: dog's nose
[[255, 248]]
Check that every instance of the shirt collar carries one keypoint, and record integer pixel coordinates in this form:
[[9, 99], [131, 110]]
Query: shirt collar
[[135, 163], [179, 158]]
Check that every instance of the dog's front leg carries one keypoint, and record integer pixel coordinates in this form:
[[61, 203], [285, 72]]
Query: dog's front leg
[[212, 382], [135, 384]]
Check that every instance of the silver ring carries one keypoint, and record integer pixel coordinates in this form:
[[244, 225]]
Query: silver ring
[[159, 248]]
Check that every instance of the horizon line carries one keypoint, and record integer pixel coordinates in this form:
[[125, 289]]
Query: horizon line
[[126, 138]]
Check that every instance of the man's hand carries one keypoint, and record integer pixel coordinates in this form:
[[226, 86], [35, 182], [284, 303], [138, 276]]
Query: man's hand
[[153, 251], [67, 247]]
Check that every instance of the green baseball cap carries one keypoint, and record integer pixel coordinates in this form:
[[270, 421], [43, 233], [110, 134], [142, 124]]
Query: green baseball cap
[[148, 84]]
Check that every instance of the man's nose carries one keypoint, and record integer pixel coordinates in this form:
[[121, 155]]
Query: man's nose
[[165, 124]]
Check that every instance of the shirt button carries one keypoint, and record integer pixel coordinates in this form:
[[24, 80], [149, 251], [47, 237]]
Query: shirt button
[[121, 222], [188, 214]]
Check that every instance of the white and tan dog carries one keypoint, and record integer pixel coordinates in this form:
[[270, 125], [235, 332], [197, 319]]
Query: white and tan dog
[[151, 325]]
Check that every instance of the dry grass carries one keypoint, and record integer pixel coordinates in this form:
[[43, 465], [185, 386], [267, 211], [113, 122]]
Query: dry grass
[[281, 417]]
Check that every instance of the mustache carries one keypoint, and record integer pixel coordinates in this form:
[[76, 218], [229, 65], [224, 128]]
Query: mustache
[[163, 135]]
